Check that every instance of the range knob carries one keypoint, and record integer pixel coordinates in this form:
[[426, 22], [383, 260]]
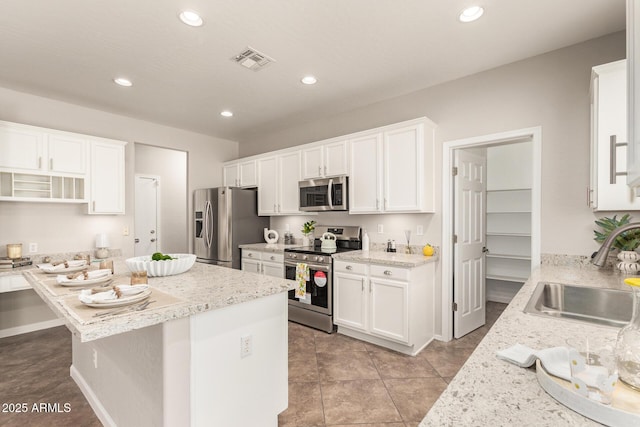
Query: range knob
[[293, 256], [304, 257], [319, 259]]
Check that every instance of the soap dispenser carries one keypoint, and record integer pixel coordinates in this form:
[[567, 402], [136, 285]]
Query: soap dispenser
[[365, 241]]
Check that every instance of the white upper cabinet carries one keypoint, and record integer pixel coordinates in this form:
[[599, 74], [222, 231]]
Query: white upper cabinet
[[240, 174], [22, 147], [326, 160], [67, 154], [365, 180], [107, 177], [278, 178], [633, 75], [392, 170], [609, 190]]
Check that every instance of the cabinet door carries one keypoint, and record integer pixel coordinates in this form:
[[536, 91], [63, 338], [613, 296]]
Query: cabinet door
[[288, 177], [336, 159], [365, 179], [251, 265], [248, 176], [107, 178], [21, 148], [403, 169], [273, 269], [67, 154], [350, 300], [312, 162], [609, 139], [230, 175], [390, 309], [267, 186]]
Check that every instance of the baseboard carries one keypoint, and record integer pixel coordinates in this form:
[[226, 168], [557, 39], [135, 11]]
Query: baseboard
[[93, 400], [31, 327]]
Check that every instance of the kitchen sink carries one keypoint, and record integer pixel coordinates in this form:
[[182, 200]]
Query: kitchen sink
[[609, 307]]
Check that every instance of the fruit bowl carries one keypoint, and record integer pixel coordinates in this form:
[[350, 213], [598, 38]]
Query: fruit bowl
[[181, 263]]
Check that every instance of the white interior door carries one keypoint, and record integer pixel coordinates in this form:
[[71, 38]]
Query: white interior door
[[147, 191], [469, 226]]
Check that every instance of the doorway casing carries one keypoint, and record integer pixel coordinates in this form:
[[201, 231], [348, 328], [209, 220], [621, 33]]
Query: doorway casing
[[534, 135]]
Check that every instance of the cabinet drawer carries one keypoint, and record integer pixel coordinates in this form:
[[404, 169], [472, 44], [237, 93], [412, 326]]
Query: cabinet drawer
[[389, 272], [272, 257], [251, 254], [350, 267]]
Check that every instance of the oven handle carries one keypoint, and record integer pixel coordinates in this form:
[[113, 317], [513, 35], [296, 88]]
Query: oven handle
[[318, 267], [330, 190]]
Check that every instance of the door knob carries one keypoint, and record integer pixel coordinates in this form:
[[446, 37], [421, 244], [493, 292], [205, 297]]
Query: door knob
[[153, 240], [484, 249], [136, 240], [152, 231]]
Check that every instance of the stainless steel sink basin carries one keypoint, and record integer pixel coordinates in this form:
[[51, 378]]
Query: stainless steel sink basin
[[600, 306]]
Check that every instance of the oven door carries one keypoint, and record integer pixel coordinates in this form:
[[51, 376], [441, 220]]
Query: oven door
[[319, 288]]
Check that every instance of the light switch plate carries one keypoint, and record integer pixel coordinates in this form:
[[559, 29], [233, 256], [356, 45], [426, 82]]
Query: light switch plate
[[380, 228]]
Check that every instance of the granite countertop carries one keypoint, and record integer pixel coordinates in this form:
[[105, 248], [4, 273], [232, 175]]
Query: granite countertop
[[396, 259], [204, 287], [490, 391], [267, 247]]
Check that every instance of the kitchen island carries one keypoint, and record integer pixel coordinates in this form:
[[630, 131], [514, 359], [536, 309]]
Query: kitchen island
[[181, 363], [490, 391]]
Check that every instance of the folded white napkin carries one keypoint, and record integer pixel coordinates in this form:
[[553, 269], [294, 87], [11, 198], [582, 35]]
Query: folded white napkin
[[109, 296], [555, 360], [94, 274], [59, 267]]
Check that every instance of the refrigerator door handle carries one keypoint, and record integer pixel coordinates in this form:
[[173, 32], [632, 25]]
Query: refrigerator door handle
[[208, 227]]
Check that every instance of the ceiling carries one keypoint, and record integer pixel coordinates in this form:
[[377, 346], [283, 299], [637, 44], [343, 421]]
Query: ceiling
[[361, 51]]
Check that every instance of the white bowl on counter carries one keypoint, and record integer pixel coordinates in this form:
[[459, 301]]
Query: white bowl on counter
[[181, 263]]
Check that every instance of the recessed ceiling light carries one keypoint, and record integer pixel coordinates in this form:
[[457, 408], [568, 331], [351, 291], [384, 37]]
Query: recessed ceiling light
[[226, 113], [190, 17], [471, 14], [309, 80], [123, 82]]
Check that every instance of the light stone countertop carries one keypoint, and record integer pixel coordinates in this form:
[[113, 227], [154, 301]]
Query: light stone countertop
[[204, 287], [396, 259], [490, 391]]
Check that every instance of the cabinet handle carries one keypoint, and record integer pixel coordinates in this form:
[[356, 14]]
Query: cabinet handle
[[319, 170], [387, 272], [325, 169], [362, 284], [278, 208], [250, 255], [272, 258], [258, 268], [39, 162], [50, 164], [94, 205], [348, 267], [613, 147], [385, 203], [589, 191]]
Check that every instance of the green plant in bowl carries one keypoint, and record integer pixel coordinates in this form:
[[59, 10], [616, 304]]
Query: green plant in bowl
[[627, 241]]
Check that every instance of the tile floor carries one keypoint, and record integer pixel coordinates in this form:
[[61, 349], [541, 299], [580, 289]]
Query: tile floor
[[339, 381], [333, 380]]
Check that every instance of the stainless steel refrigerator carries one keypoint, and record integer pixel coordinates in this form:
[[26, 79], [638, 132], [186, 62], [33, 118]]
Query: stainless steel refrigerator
[[224, 218]]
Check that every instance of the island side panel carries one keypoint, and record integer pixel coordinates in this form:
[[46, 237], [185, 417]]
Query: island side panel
[[121, 376], [228, 389]]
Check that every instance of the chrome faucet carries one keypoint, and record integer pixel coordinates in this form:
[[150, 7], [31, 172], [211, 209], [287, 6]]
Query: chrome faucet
[[600, 257]]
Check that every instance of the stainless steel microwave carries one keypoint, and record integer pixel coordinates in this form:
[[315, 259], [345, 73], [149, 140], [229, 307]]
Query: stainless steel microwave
[[324, 194]]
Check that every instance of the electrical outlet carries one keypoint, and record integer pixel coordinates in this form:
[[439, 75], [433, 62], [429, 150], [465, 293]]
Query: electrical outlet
[[33, 247], [125, 231], [380, 228], [246, 342], [95, 358], [419, 231]]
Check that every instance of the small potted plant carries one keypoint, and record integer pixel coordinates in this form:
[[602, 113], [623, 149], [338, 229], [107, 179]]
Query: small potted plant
[[626, 242], [307, 233]]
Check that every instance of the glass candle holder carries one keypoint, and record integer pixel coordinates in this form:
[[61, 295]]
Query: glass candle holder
[[139, 278], [108, 265]]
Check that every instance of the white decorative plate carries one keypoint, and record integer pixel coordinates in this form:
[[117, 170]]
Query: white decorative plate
[[121, 301], [97, 281], [71, 269]]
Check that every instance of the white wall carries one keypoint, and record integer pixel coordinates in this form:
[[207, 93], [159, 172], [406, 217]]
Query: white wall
[[550, 90], [65, 227]]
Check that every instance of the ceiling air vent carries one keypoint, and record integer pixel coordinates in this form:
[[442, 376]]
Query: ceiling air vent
[[252, 59]]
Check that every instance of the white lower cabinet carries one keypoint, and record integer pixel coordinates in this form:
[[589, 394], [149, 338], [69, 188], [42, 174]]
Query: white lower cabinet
[[267, 263], [389, 306]]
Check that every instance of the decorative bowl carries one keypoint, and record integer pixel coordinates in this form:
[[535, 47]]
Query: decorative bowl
[[182, 263]]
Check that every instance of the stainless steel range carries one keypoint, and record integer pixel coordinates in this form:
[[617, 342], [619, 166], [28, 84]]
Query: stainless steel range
[[315, 308]]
